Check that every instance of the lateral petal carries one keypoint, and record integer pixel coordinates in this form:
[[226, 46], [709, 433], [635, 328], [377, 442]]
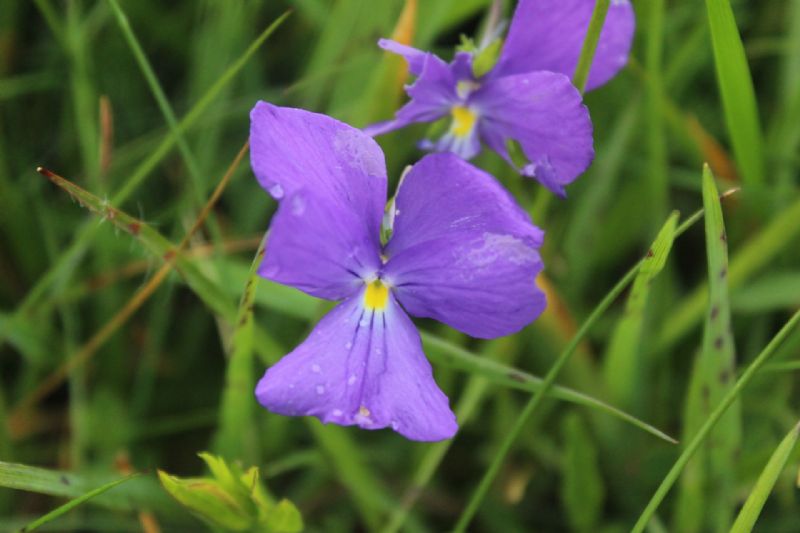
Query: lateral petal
[[330, 180], [462, 251]]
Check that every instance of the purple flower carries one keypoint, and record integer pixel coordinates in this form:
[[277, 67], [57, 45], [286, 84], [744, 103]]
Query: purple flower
[[526, 97], [461, 251]]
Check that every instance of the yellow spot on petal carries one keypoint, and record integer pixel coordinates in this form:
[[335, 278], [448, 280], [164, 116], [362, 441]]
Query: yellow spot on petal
[[463, 120], [363, 411], [376, 296]]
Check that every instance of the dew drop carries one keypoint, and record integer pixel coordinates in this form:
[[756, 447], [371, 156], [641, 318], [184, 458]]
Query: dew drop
[[298, 205], [276, 191], [320, 389], [363, 323], [337, 412], [351, 380], [395, 424], [315, 368], [348, 345]]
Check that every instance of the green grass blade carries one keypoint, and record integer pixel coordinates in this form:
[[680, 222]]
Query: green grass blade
[[208, 291], [656, 139], [582, 489], [59, 511], [623, 364], [709, 424], [766, 481], [160, 97], [549, 380], [140, 493], [756, 254], [581, 75], [446, 353], [707, 495], [236, 436], [736, 88], [75, 250]]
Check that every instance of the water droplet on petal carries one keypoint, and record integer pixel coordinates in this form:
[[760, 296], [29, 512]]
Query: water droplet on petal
[[315, 368], [364, 323], [298, 205], [320, 389], [395, 424], [351, 380], [276, 191], [348, 345], [337, 412]]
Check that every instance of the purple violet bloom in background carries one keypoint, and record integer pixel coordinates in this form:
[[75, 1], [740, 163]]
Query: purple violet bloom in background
[[526, 97], [461, 251]]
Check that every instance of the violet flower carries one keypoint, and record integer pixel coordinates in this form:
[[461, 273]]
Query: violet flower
[[461, 251], [526, 96]]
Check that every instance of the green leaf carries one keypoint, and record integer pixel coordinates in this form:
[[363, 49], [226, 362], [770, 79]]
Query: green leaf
[[707, 496], [708, 425], [582, 490], [208, 500], [232, 499], [736, 87], [55, 513], [448, 354], [237, 435], [766, 482], [623, 365], [139, 493]]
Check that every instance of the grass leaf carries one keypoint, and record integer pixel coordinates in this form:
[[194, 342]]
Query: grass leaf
[[766, 481], [736, 88]]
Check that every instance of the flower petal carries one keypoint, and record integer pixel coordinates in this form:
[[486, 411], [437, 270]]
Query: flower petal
[[361, 367], [462, 251], [549, 34], [545, 114], [330, 180], [434, 92]]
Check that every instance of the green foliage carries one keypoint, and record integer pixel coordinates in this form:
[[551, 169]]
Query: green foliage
[[566, 425], [233, 499], [766, 482]]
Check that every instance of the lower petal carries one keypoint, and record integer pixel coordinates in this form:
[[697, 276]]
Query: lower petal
[[361, 366]]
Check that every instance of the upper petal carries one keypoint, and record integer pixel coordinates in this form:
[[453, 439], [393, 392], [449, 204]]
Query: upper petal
[[432, 94], [545, 114], [549, 34], [330, 180], [362, 367], [462, 251]]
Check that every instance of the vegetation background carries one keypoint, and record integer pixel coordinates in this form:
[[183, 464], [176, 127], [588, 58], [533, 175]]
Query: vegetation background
[[121, 351]]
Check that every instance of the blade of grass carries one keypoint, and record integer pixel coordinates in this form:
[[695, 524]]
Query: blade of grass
[[446, 353], [549, 380], [736, 88], [59, 511], [757, 253], [711, 421], [656, 140], [172, 257], [707, 496], [766, 482], [589, 47], [161, 99], [623, 365], [69, 257], [142, 492], [236, 434]]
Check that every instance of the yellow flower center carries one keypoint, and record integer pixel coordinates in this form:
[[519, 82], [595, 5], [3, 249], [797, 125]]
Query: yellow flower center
[[376, 296], [463, 120]]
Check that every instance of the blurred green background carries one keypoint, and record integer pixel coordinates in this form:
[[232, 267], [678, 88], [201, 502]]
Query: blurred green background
[[112, 363]]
